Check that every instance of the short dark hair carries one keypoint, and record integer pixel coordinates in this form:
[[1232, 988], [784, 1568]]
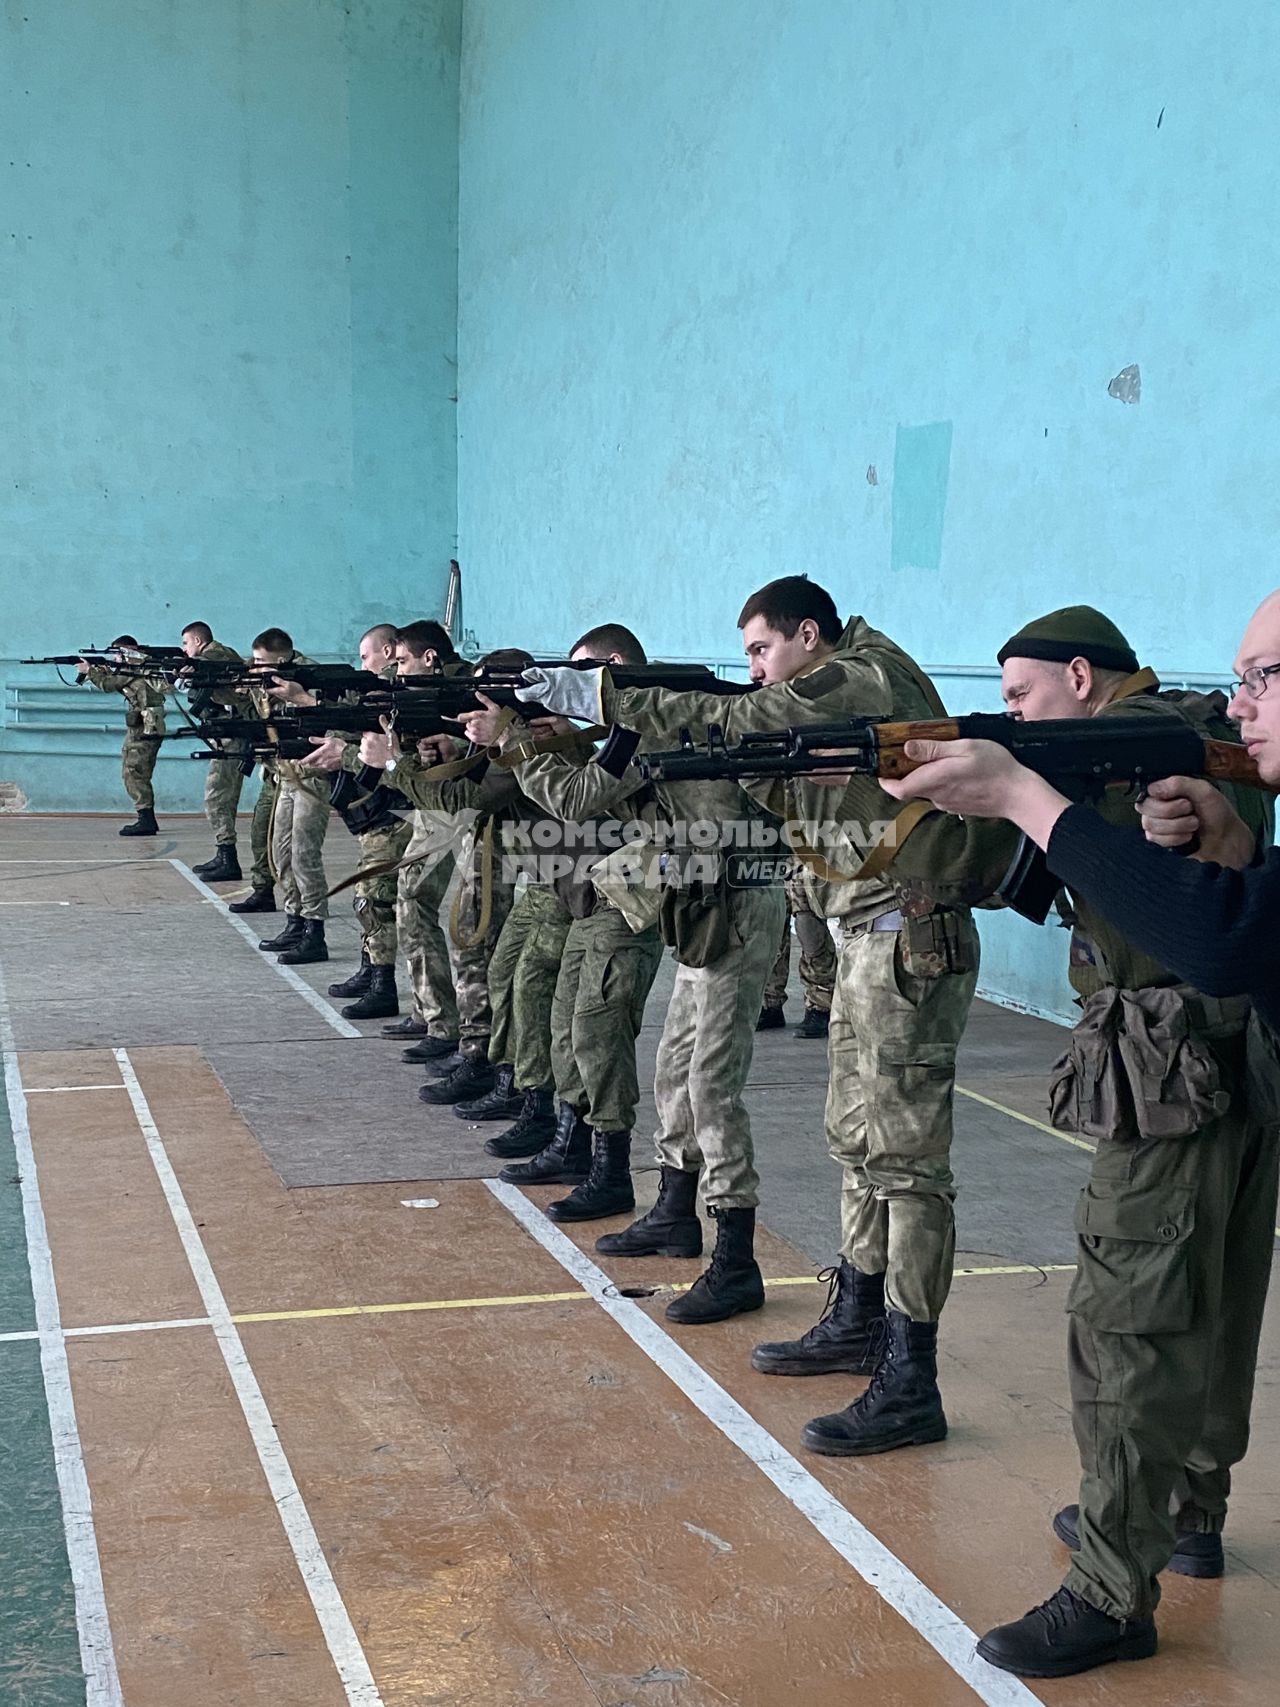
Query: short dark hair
[[608, 638], [201, 630], [272, 640], [384, 633], [504, 658], [426, 636], [792, 599], [124, 640]]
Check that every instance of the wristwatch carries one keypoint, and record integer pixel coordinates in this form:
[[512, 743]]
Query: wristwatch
[[390, 765]]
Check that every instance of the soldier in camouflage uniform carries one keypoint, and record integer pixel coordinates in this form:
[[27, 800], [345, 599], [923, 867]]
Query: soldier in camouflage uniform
[[1175, 1226], [892, 1050], [144, 716], [817, 968], [226, 775], [300, 817]]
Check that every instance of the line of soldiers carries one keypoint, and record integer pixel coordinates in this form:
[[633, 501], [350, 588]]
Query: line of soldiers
[[1175, 1224]]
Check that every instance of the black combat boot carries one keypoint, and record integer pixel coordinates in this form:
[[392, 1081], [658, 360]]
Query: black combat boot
[[607, 1189], [502, 1102], [309, 948], [431, 1048], [565, 1161], [534, 1125], [379, 1000], [847, 1338], [143, 825], [292, 933], [410, 1026], [733, 1283], [443, 1065], [1065, 1635], [771, 1019], [469, 1080], [1194, 1554], [670, 1229], [224, 867], [256, 901], [358, 982], [901, 1406], [816, 1023]]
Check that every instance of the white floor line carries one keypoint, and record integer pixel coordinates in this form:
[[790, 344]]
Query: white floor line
[[49, 1090], [331, 1612], [97, 1653], [105, 859], [949, 1636], [343, 1027]]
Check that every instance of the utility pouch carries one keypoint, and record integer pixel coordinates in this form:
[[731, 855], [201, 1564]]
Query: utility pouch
[[932, 944], [694, 921], [1174, 1077], [1088, 1087]]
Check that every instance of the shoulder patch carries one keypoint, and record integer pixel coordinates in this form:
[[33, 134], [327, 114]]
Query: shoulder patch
[[817, 684]]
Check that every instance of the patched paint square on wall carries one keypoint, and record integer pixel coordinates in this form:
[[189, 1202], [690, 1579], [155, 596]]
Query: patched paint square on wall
[[921, 470]]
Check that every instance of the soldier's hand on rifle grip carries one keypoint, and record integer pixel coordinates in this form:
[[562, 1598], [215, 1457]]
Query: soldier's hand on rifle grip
[[1188, 813]]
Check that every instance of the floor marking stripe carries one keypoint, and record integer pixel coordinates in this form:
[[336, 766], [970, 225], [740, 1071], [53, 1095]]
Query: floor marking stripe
[[343, 1027], [1026, 1119], [416, 1306], [331, 1612], [948, 1635], [97, 1654], [48, 1090], [1066, 1137]]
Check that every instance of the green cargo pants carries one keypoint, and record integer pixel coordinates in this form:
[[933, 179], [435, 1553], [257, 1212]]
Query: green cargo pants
[[375, 897], [297, 842], [137, 763], [605, 978], [419, 898], [1175, 1240], [891, 1055], [817, 955], [472, 954], [222, 787], [522, 982]]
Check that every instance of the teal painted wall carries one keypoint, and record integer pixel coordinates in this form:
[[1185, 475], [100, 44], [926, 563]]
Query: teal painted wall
[[754, 286], [228, 258]]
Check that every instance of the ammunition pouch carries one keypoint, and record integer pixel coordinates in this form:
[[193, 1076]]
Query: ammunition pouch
[[1140, 1065], [936, 942], [695, 921]]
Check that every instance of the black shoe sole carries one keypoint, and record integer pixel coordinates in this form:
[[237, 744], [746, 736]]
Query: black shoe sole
[[291, 958], [509, 1111], [517, 1149], [834, 1448], [650, 1250], [562, 1176], [567, 1212], [1128, 1648], [810, 1366], [412, 1028], [1180, 1564], [715, 1316]]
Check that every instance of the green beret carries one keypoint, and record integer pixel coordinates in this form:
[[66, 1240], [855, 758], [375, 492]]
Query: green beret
[[1079, 631]]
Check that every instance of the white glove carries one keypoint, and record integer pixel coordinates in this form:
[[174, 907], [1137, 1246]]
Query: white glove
[[569, 692]]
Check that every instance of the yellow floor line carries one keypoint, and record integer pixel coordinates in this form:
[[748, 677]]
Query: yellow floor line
[[393, 1309], [1040, 1126]]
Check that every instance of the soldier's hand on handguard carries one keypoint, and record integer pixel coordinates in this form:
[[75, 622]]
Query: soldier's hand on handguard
[[326, 754], [292, 693], [485, 727], [1178, 809], [980, 779], [439, 749], [375, 750]]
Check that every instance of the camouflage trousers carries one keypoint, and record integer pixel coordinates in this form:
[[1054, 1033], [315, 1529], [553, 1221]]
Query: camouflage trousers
[[262, 875], [422, 942], [705, 1055], [375, 901], [1175, 1237], [297, 844], [137, 762], [522, 982], [817, 955], [600, 995], [891, 1055], [222, 788], [480, 866]]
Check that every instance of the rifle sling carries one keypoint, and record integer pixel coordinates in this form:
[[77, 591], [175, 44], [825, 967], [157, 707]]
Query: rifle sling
[[881, 856]]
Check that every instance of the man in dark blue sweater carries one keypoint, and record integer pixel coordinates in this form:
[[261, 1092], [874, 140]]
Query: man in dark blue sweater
[[1176, 1224]]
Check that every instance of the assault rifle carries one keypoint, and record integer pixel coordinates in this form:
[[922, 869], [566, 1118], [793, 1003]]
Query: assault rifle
[[138, 657], [1081, 756]]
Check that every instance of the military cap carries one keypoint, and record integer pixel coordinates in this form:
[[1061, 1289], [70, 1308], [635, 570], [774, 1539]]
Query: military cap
[[1078, 631]]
